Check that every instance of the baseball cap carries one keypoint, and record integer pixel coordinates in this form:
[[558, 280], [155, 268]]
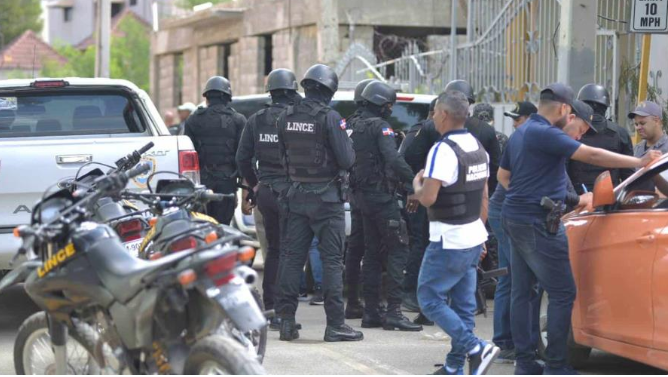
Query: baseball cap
[[187, 106], [558, 92], [524, 108], [647, 108], [584, 112]]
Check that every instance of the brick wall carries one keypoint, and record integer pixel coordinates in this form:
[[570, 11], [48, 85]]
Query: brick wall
[[166, 83], [208, 66]]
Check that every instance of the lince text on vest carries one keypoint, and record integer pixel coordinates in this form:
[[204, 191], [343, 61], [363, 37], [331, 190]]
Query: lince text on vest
[[268, 138], [300, 127]]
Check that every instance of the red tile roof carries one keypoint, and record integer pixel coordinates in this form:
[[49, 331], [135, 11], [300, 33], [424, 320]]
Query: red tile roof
[[26, 49], [115, 31]]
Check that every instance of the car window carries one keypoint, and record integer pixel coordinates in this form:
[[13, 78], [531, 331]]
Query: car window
[[404, 114], [638, 194], [248, 107], [30, 114]]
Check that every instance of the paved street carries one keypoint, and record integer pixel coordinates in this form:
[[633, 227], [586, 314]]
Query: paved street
[[382, 352]]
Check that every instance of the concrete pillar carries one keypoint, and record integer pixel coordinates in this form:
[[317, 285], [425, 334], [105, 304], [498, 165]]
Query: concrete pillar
[[577, 42], [328, 32]]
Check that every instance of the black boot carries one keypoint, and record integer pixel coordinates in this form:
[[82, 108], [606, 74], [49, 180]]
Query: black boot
[[343, 333], [396, 320], [371, 318], [354, 309], [288, 330], [421, 319], [275, 324]]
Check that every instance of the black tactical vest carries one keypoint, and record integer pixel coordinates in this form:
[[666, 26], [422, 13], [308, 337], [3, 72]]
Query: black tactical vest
[[368, 169], [215, 136], [266, 140], [304, 133], [607, 138], [461, 203]]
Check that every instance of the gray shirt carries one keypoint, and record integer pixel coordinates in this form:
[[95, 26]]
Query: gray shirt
[[641, 148]]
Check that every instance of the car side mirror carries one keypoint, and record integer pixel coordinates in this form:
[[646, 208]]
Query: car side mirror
[[603, 190]]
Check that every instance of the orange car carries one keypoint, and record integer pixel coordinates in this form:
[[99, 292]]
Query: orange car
[[619, 255]]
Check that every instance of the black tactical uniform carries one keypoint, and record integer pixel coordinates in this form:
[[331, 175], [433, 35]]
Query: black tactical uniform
[[316, 152], [604, 134], [259, 143], [215, 131], [376, 175], [416, 153], [355, 251]]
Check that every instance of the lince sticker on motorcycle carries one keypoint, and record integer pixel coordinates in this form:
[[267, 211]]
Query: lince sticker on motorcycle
[[201, 216], [61, 256], [142, 180]]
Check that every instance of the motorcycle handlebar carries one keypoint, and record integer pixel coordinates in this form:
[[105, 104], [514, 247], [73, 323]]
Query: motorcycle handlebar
[[138, 170], [213, 197], [145, 148]]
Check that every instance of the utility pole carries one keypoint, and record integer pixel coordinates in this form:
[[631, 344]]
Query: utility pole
[[328, 32], [453, 40], [577, 43], [102, 38]]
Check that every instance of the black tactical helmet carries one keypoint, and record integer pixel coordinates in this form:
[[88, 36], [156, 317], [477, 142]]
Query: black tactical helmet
[[323, 75], [360, 88], [219, 84], [462, 86], [379, 93], [594, 93], [281, 79]]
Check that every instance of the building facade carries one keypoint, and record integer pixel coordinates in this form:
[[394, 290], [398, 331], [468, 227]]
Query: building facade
[[244, 40]]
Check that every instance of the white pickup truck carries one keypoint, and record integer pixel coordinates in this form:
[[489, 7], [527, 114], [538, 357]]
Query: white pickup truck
[[49, 128]]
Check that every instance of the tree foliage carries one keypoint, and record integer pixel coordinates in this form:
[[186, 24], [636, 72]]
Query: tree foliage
[[130, 57], [17, 16]]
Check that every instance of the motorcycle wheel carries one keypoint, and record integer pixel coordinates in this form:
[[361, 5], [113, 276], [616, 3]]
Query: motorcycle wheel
[[259, 337], [217, 355], [33, 353]]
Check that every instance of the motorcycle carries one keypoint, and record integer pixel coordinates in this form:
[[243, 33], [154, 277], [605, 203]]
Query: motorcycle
[[105, 311]]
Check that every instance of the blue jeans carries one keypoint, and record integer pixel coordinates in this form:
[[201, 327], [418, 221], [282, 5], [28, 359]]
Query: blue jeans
[[538, 256], [450, 273], [503, 337], [316, 265]]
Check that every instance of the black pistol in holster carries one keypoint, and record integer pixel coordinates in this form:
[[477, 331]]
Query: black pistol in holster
[[344, 185], [553, 219]]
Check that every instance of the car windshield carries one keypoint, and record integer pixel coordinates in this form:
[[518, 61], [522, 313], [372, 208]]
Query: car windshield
[[41, 114]]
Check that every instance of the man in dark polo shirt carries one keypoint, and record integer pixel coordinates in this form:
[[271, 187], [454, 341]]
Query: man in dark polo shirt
[[531, 168]]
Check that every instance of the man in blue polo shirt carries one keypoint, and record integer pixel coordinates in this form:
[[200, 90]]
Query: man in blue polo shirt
[[532, 167]]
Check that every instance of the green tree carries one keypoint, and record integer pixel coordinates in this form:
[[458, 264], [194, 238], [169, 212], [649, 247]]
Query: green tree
[[130, 53], [189, 4], [17, 16], [79, 64]]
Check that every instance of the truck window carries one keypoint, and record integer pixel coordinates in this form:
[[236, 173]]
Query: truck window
[[404, 114], [56, 114]]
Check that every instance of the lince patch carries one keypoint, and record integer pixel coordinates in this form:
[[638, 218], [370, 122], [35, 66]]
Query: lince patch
[[268, 138], [308, 128], [476, 172]]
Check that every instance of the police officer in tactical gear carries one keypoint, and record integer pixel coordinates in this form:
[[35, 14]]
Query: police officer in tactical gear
[[316, 153], [604, 134], [259, 142], [215, 131], [375, 177], [416, 153], [354, 308]]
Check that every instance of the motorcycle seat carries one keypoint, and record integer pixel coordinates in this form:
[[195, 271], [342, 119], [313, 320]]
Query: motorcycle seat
[[121, 273]]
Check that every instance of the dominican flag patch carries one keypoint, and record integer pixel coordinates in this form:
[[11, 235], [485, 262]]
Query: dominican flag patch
[[388, 132], [342, 124]]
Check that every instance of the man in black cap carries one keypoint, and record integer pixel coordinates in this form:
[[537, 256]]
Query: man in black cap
[[648, 120], [521, 112], [416, 153], [259, 143], [603, 133], [215, 131], [316, 153], [532, 168]]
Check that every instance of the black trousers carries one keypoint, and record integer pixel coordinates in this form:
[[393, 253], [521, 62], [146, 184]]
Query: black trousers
[[355, 252], [311, 215], [267, 204], [385, 229], [418, 224], [222, 211]]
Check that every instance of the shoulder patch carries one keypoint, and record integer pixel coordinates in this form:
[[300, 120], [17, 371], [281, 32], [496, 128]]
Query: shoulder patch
[[388, 131], [342, 124]]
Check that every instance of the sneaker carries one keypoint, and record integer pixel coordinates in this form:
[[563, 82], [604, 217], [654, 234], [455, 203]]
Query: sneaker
[[532, 368], [565, 371], [506, 357], [318, 298], [443, 370], [343, 333], [480, 361]]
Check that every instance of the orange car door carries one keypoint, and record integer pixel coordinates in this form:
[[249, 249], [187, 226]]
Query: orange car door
[[660, 293], [615, 283]]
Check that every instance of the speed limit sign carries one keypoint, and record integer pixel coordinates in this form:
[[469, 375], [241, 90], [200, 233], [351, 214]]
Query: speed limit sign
[[649, 16]]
